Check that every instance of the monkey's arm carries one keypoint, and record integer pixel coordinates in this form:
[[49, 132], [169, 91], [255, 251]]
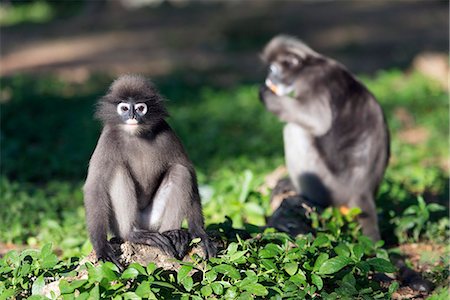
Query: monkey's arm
[[197, 229], [97, 201], [97, 206], [315, 117]]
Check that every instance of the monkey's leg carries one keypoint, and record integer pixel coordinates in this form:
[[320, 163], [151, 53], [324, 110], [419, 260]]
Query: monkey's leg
[[176, 199], [368, 219]]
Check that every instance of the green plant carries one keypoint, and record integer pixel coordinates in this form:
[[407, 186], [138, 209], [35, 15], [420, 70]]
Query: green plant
[[44, 166], [415, 220]]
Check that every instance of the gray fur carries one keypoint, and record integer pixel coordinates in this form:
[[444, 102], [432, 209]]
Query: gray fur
[[336, 139], [141, 182]]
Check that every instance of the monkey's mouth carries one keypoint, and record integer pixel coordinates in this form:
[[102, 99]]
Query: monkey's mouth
[[132, 122], [279, 89], [273, 87]]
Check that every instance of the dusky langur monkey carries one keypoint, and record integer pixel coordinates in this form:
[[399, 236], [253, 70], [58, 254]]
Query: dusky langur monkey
[[141, 184], [336, 139]]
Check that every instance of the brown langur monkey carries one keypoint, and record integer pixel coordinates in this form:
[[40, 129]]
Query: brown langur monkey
[[141, 184], [336, 139]]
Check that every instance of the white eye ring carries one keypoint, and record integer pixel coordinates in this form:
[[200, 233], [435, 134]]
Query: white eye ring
[[141, 108], [122, 108]]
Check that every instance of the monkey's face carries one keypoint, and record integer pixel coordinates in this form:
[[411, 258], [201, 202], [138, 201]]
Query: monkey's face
[[282, 73], [131, 103], [132, 113]]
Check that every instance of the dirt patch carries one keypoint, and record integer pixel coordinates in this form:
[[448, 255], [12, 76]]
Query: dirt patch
[[424, 256], [224, 36]]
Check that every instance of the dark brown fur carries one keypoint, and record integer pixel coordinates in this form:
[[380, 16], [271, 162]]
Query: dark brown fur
[[336, 138], [132, 176]]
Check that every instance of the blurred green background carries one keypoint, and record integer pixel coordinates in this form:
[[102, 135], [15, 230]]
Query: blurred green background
[[59, 57]]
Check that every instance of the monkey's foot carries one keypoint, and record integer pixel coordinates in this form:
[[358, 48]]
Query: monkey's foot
[[154, 239], [180, 240]]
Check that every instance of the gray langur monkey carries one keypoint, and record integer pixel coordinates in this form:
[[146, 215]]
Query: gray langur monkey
[[336, 139], [141, 184]]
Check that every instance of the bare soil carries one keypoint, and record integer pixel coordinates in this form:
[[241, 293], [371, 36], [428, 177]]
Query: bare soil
[[223, 38]]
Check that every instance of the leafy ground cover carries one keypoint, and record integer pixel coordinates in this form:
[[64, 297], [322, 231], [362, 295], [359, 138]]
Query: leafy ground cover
[[48, 134]]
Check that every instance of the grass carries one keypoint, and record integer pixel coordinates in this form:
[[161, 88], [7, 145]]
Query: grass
[[48, 134]]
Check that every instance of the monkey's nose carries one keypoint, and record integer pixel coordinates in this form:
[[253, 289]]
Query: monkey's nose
[[131, 122]]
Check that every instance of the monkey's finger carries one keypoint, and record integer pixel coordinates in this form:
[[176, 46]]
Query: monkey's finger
[[159, 241], [180, 240], [118, 264], [209, 248], [110, 256]]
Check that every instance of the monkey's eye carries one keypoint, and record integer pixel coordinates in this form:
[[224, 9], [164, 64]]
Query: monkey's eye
[[122, 108], [289, 62], [141, 108]]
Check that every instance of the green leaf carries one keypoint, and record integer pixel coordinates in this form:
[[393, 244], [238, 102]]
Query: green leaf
[[350, 279], [363, 266], [268, 264], [130, 273], [299, 278], [358, 252], [68, 288], [381, 265], [247, 280], [143, 289], [231, 293], [217, 288], [131, 296], [317, 281], [235, 256], [347, 289], [291, 268], [163, 284], [323, 257], [211, 275], [188, 282], [248, 176], [107, 271], [334, 264], [38, 284], [321, 240], [270, 250], [252, 208], [245, 296], [232, 248], [256, 289], [228, 271], [342, 250], [393, 287], [433, 207], [46, 250], [206, 291], [151, 267], [94, 273], [183, 273], [139, 268], [49, 261], [95, 292]]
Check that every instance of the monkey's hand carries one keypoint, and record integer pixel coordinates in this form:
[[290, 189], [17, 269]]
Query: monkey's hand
[[106, 253], [271, 101]]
